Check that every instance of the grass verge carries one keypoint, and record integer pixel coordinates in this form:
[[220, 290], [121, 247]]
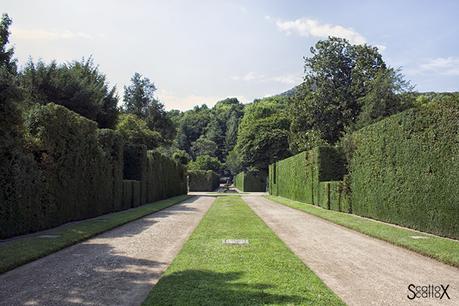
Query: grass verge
[[208, 272], [18, 251], [443, 249]]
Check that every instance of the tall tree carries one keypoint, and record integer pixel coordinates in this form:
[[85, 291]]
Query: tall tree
[[263, 133], [79, 86], [139, 96], [337, 77], [140, 100]]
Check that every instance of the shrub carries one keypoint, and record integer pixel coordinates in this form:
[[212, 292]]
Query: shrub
[[405, 169], [201, 180]]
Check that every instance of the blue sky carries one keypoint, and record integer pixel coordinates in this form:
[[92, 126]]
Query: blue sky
[[203, 51]]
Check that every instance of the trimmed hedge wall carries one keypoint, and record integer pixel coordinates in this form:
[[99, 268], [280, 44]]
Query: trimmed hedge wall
[[250, 182], [334, 197], [405, 169], [66, 169], [201, 180], [298, 177]]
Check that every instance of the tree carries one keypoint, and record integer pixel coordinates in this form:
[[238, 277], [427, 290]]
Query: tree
[[337, 75], [263, 133], [79, 86], [233, 163], [204, 146], [6, 52], [205, 162], [134, 130], [181, 157], [139, 99], [139, 96], [10, 117], [384, 97]]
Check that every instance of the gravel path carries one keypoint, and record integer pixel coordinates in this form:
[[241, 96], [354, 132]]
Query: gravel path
[[360, 269], [118, 267]]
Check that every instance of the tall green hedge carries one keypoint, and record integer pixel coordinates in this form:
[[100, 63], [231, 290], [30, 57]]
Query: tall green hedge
[[405, 169], [250, 182], [298, 177], [201, 180], [66, 169]]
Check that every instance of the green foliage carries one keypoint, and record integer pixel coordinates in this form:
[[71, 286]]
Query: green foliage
[[233, 163], [263, 133], [251, 181], [79, 86], [344, 84], [383, 97], [181, 156], [139, 96], [404, 169], [201, 180], [135, 131], [204, 146], [209, 131], [205, 162], [66, 169], [6, 53]]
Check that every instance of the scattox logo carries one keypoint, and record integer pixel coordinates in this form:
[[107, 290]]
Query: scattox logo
[[428, 292]]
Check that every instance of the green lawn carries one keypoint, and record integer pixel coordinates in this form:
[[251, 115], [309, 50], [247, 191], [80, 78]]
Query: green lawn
[[443, 249], [16, 252], [208, 272]]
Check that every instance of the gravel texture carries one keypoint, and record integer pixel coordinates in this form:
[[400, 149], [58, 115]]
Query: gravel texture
[[118, 267], [360, 269]]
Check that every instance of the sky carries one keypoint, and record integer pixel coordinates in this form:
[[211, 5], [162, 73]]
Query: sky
[[200, 52]]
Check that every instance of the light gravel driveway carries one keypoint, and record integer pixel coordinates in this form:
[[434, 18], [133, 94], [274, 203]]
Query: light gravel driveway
[[360, 269], [118, 267]]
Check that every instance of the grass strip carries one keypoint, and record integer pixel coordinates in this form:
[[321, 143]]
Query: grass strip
[[18, 251], [265, 271], [442, 249]]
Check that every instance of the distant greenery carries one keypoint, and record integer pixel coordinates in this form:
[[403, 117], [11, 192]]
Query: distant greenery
[[205, 162], [442, 249], [23, 250], [135, 131], [263, 133], [208, 272]]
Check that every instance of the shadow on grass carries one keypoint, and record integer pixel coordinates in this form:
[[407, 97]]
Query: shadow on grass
[[200, 287]]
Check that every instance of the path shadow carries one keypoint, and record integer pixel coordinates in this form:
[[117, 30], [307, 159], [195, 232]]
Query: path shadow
[[84, 274], [201, 287]]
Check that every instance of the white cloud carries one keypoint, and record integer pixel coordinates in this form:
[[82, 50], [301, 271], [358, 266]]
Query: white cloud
[[289, 79], [440, 66], [40, 34], [310, 27]]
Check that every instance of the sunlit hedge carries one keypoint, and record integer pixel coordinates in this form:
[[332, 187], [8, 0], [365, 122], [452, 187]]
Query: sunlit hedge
[[405, 169]]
